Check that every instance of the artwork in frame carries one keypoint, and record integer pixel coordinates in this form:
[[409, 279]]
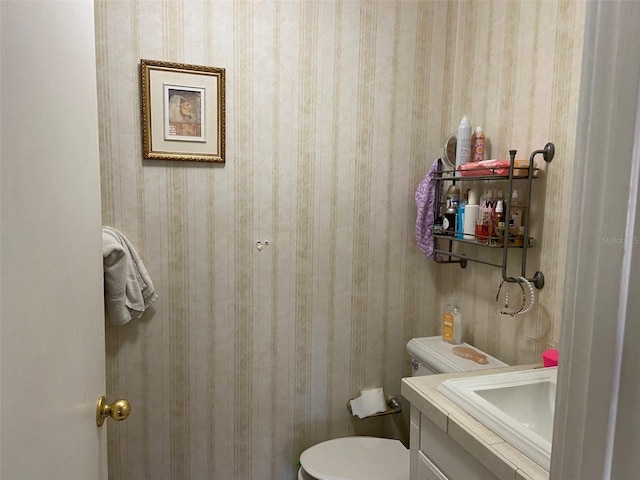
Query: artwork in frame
[[183, 111]]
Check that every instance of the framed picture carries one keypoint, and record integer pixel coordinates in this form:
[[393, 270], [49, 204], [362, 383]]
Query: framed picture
[[183, 111]]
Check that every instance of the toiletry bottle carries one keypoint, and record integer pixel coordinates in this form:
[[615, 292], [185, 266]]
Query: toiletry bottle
[[477, 148], [500, 233], [451, 322], [517, 209], [483, 234], [450, 215], [463, 146], [511, 233], [487, 200], [451, 212], [462, 210], [453, 194], [498, 223], [471, 211], [486, 213]]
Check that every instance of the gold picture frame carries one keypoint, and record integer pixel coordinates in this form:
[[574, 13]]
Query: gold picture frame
[[183, 111]]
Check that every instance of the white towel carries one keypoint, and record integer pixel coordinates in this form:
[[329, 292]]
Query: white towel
[[128, 289]]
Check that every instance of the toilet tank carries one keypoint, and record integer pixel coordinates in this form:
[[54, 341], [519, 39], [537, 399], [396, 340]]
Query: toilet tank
[[431, 355]]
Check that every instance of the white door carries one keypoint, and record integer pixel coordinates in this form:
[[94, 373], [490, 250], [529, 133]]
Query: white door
[[51, 308]]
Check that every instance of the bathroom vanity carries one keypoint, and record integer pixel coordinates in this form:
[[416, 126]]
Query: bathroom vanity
[[447, 443]]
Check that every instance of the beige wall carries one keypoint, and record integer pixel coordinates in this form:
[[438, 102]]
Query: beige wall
[[335, 111]]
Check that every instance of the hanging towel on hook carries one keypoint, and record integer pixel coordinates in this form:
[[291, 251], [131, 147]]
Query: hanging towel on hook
[[425, 201], [128, 289]]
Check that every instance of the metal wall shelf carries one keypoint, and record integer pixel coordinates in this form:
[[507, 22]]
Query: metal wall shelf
[[450, 256]]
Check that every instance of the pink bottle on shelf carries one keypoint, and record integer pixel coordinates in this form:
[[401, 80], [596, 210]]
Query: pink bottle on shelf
[[477, 147]]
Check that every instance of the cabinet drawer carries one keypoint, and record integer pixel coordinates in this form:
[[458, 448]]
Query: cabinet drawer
[[450, 457], [427, 470]]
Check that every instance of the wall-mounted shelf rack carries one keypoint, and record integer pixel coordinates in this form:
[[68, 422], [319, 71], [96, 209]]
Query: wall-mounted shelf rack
[[503, 242]]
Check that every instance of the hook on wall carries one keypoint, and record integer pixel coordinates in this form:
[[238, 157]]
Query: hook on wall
[[262, 244]]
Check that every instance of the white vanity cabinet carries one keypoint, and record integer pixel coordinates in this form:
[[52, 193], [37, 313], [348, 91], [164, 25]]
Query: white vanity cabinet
[[435, 456], [449, 444]]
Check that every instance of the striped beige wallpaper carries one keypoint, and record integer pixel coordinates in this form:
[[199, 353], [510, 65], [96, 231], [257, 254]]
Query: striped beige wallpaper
[[335, 111]]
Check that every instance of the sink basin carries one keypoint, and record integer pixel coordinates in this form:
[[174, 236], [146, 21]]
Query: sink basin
[[517, 406]]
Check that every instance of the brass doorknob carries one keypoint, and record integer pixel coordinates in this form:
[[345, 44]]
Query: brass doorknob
[[118, 410]]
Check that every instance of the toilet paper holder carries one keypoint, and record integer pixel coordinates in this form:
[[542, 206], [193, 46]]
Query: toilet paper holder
[[393, 403]]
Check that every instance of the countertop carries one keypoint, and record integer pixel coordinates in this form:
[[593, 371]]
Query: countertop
[[504, 460]]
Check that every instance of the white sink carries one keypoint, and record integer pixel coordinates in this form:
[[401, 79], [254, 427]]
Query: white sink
[[518, 406]]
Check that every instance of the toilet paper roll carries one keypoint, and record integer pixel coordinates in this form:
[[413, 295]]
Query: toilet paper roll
[[370, 402]]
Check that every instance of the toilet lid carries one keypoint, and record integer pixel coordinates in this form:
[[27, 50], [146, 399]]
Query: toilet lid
[[357, 458]]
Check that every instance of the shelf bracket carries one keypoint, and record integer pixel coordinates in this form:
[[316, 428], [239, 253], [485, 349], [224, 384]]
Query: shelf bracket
[[548, 152]]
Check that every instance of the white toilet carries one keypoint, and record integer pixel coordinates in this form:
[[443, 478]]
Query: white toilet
[[370, 458]]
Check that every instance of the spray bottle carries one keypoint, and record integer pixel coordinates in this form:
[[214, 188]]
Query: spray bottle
[[477, 149], [463, 147]]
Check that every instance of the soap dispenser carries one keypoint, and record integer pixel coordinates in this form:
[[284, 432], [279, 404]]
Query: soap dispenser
[[452, 322]]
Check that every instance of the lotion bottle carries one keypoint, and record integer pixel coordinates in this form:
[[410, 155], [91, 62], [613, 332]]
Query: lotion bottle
[[471, 212], [452, 322]]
